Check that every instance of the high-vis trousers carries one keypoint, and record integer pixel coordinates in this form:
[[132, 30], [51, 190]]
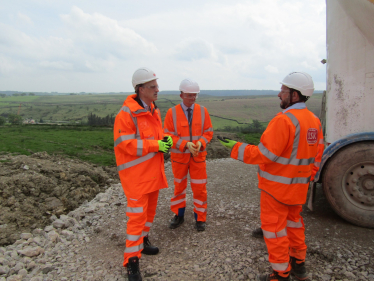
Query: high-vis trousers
[[198, 179], [283, 229], [141, 212]]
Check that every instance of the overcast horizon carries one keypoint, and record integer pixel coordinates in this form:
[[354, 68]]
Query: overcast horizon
[[84, 46]]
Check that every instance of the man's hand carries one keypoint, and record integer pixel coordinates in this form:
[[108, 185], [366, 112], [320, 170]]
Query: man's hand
[[226, 142], [163, 146], [169, 140], [198, 146], [192, 148]]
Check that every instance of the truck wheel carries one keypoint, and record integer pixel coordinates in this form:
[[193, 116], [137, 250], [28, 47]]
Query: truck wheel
[[348, 183]]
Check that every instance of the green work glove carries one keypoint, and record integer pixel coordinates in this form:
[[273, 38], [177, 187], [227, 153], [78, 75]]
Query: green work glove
[[163, 146], [226, 142], [169, 140]]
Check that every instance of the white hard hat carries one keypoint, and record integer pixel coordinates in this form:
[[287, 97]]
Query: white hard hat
[[189, 86], [300, 81], [143, 75]]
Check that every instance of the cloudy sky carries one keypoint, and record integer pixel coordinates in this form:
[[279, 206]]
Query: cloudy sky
[[95, 46]]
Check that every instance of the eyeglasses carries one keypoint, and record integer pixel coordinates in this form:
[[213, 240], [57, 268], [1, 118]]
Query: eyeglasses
[[191, 96], [153, 87]]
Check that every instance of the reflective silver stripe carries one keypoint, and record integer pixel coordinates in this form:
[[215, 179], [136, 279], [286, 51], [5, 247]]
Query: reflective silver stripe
[[200, 209], [167, 131], [178, 195], [178, 144], [198, 181], [149, 224], [206, 141], [139, 149], [281, 160], [293, 224], [133, 237], [174, 114], [197, 201], [127, 110], [140, 111], [272, 235], [241, 152], [144, 233], [178, 151], [177, 202], [123, 138], [188, 138], [180, 180], [202, 118], [134, 249], [321, 141], [317, 164], [209, 130], [284, 180], [279, 266], [135, 210], [136, 161]]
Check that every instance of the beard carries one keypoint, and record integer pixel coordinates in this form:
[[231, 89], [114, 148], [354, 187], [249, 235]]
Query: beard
[[285, 103]]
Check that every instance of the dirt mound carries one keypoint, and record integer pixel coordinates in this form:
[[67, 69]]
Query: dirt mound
[[33, 188]]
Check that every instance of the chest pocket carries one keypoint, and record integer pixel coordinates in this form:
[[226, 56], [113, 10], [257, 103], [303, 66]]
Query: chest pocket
[[184, 128], [197, 128], [145, 130]]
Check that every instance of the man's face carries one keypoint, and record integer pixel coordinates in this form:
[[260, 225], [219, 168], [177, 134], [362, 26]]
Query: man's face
[[188, 99], [148, 92], [285, 97]]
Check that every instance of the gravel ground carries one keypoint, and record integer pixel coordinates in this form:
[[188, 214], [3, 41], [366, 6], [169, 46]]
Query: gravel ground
[[88, 243]]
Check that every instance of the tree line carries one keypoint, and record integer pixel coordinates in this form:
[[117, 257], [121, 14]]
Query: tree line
[[94, 120]]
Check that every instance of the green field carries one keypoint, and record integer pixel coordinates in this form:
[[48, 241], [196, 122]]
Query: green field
[[76, 108], [95, 144]]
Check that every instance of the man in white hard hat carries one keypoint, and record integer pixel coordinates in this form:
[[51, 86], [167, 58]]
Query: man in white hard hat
[[139, 145], [190, 127], [288, 156]]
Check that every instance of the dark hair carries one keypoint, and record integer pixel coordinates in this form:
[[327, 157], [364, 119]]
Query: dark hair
[[301, 97], [137, 88]]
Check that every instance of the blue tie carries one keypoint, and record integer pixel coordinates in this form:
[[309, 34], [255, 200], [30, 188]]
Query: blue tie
[[189, 114]]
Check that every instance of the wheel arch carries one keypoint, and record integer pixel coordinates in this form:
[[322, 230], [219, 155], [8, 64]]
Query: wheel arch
[[337, 146]]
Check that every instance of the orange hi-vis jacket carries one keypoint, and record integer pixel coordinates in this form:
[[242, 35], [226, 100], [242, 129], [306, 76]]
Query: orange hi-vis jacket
[[289, 154], [136, 134], [176, 125]]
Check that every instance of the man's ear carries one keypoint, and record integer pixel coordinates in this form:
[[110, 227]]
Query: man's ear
[[295, 96]]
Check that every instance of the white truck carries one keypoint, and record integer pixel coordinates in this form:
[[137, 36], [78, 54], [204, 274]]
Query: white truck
[[347, 166]]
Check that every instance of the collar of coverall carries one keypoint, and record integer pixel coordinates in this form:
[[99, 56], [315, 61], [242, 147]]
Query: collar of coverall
[[299, 105], [185, 107]]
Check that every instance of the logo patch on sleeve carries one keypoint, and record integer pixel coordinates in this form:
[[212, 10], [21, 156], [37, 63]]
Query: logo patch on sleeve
[[312, 135]]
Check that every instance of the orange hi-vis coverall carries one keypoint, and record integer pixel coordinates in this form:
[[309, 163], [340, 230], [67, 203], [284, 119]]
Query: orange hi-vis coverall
[[200, 129], [288, 155], [140, 167]]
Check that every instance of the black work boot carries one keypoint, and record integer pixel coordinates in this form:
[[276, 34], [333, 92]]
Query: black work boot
[[275, 276], [133, 269], [148, 248], [257, 233], [298, 269], [176, 221], [200, 225]]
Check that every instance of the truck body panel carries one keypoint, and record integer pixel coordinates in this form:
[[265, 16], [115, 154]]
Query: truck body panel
[[350, 68]]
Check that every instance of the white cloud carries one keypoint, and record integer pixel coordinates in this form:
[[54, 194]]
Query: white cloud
[[271, 69], [24, 18], [99, 35], [241, 44]]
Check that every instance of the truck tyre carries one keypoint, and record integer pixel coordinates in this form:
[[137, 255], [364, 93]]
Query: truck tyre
[[348, 183]]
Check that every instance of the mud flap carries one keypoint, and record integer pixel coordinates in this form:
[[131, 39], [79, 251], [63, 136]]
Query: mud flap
[[312, 194]]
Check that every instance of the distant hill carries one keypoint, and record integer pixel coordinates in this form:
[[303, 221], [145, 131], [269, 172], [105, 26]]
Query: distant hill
[[227, 93], [203, 92]]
